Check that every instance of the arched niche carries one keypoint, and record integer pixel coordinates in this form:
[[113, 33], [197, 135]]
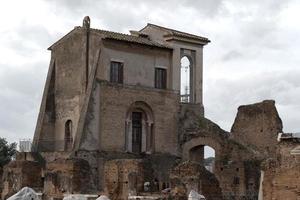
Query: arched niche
[[68, 140]]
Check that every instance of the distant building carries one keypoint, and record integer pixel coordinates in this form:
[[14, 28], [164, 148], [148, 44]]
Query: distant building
[[25, 145]]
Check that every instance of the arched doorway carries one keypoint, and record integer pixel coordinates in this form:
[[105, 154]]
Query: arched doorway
[[185, 80], [139, 128]]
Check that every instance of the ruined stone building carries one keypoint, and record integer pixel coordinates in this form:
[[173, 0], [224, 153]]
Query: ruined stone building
[[121, 116]]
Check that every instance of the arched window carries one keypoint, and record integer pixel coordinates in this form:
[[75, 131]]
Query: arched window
[[68, 135], [185, 84]]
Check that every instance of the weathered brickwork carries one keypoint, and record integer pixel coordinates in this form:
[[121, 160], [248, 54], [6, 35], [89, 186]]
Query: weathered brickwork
[[123, 177], [20, 173], [257, 126], [281, 175], [68, 176], [115, 104], [192, 176]]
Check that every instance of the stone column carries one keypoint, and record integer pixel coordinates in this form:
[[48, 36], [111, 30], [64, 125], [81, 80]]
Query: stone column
[[149, 137], [144, 135], [128, 136]]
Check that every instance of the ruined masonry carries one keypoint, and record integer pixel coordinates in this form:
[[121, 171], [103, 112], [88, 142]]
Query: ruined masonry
[[122, 116]]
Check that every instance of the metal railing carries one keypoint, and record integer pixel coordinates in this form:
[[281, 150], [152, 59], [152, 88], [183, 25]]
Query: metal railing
[[52, 145], [185, 98]]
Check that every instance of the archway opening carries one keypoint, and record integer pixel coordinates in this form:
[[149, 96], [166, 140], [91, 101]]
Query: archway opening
[[185, 84], [205, 155], [209, 158]]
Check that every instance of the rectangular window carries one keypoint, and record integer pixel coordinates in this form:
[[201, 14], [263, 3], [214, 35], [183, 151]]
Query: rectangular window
[[116, 72], [160, 78]]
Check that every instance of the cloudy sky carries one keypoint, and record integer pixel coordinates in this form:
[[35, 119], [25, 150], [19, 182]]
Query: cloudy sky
[[254, 53]]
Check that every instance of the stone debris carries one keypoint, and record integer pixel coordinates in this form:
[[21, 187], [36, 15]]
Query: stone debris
[[142, 197], [103, 197], [75, 197], [195, 196], [25, 193]]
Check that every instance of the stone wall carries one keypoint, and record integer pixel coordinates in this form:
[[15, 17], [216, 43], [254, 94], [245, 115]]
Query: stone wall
[[18, 174], [192, 176], [123, 177], [115, 102], [139, 63], [64, 92], [237, 167], [68, 176], [281, 177], [257, 126]]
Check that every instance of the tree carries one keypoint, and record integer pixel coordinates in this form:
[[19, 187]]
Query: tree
[[7, 151]]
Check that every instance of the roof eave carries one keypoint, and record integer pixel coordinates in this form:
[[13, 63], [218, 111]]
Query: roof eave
[[187, 39], [63, 38], [143, 44]]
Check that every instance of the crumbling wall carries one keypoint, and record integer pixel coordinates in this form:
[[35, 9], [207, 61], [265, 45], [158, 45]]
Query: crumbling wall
[[96, 163], [123, 177], [281, 178], [192, 176], [68, 176], [237, 175], [18, 174], [257, 126]]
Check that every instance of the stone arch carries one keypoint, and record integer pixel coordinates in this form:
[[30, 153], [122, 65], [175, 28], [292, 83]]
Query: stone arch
[[139, 128], [201, 141]]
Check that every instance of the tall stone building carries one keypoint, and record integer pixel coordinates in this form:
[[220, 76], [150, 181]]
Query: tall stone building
[[123, 115], [108, 91]]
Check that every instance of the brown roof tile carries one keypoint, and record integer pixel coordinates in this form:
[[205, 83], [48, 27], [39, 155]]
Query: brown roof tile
[[130, 38]]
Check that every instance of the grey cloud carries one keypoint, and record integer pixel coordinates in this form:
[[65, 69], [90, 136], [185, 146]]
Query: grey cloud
[[20, 98], [27, 39], [230, 55], [121, 14], [227, 95]]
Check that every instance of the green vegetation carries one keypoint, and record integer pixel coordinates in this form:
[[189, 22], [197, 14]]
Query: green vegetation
[[208, 161], [7, 151]]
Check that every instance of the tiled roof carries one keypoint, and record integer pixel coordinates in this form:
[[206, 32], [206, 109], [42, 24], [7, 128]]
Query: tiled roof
[[179, 33], [130, 38]]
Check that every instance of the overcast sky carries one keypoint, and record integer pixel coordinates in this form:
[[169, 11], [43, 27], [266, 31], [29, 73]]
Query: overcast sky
[[254, 53]]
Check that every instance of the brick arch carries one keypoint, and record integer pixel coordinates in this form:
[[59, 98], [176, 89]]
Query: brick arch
[[142, 106], [201, 141]]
